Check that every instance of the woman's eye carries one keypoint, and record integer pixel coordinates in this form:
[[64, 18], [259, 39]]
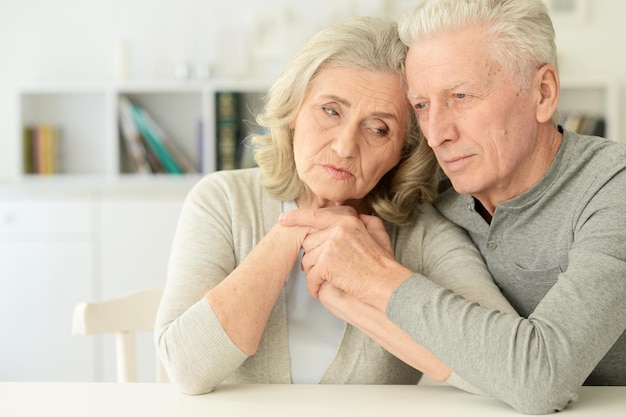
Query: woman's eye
[[330, 111], [420, 106], [380, 131], [460, 95]]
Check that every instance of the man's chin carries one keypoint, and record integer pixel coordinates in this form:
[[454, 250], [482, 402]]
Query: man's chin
[[462, 187]]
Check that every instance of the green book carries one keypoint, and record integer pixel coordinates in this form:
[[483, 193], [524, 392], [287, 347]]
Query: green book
[[155, 142]]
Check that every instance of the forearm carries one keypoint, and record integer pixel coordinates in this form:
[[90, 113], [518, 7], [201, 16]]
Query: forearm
[[375, 324], [244, 300], [500, 354]]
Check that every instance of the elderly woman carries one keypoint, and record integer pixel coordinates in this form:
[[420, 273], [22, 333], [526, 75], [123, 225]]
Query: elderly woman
[[341, 133]]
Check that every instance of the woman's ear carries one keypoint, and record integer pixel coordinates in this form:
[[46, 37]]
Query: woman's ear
[[548, 85]]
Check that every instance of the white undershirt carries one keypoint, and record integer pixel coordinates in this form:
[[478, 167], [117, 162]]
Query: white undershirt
[[314, 332]]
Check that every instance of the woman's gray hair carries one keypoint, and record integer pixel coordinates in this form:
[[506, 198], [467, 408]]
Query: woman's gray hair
[[520, 32], [366, 43]]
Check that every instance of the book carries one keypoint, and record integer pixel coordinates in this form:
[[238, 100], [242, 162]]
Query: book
[[227, 129], [161, 151], [41, 149], [246, 154], [153, 140], [46, 150], [200, 145], [28, 165], [132, 138], [592, 125], [584, 124], [153, 159], [247, 150], [181, 159], [572, 121]]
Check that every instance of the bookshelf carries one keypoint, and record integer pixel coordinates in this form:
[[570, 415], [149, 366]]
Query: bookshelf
[[91, 148], [595, 97]]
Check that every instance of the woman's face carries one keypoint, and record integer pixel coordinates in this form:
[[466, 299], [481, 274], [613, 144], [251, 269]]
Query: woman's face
[[349, 132]]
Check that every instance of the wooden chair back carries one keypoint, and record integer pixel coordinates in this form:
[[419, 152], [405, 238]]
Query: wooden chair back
[[124, 316]]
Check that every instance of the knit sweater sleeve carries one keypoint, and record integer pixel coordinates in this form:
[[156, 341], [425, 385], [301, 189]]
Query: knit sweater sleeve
[[443, 253], [537, 363], [195, 350]]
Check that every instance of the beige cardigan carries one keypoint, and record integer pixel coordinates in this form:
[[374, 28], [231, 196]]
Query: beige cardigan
[[223, 218]]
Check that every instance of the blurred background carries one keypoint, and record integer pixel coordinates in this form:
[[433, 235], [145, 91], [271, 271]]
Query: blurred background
[[62, 242], [90, 40]]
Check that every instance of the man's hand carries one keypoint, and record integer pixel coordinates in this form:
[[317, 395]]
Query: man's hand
[[351, 252]]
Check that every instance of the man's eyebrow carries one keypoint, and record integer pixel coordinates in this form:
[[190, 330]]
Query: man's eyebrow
[[446, 89]]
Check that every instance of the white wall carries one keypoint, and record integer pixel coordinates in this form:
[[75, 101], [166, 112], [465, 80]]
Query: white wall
[[75, 40]]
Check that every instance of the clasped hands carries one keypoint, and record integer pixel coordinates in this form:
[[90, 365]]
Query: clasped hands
[[344, 251]]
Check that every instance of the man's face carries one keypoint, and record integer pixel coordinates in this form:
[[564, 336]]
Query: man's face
[[480, 124]]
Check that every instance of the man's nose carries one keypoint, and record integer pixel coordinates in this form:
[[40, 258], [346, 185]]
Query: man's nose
[[439, 127]]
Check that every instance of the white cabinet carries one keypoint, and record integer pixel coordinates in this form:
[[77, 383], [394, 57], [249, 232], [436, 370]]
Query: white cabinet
[[59, 247], [136, 232], [46, 267]]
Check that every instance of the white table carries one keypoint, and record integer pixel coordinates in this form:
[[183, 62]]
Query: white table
[[41, 399]]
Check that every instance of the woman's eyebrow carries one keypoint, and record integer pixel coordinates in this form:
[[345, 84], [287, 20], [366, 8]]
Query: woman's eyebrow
[[380, 114]]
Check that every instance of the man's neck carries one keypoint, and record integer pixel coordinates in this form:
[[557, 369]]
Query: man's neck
[[539, 163], [484, 213]]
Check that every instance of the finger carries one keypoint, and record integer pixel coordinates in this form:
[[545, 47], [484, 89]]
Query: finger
[[371, 221], [313, 284], [309, 259], [314, 239], [315, 218], [329, 294], [377, 231]]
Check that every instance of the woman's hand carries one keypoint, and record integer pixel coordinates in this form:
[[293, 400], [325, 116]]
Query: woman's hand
[[351, 252]]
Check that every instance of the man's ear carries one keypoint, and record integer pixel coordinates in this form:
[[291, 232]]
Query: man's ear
[[547, 86]]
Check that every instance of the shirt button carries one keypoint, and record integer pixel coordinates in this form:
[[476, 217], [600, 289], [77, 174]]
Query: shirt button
[[469, 207], [492, 244]]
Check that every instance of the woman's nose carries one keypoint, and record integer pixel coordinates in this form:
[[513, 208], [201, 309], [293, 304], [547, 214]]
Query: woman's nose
[[346, 140]]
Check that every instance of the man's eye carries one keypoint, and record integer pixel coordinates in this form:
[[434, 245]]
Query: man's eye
[[460, 95], [420, 106], [380, 131]]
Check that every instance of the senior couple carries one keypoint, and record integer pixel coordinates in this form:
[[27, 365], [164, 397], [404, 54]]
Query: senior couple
[[416, 209]]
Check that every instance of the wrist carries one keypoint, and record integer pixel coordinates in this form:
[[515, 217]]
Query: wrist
[[393, 274]]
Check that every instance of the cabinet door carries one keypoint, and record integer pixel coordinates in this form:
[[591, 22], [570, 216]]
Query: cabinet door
[[46, 267], [135, 239]]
